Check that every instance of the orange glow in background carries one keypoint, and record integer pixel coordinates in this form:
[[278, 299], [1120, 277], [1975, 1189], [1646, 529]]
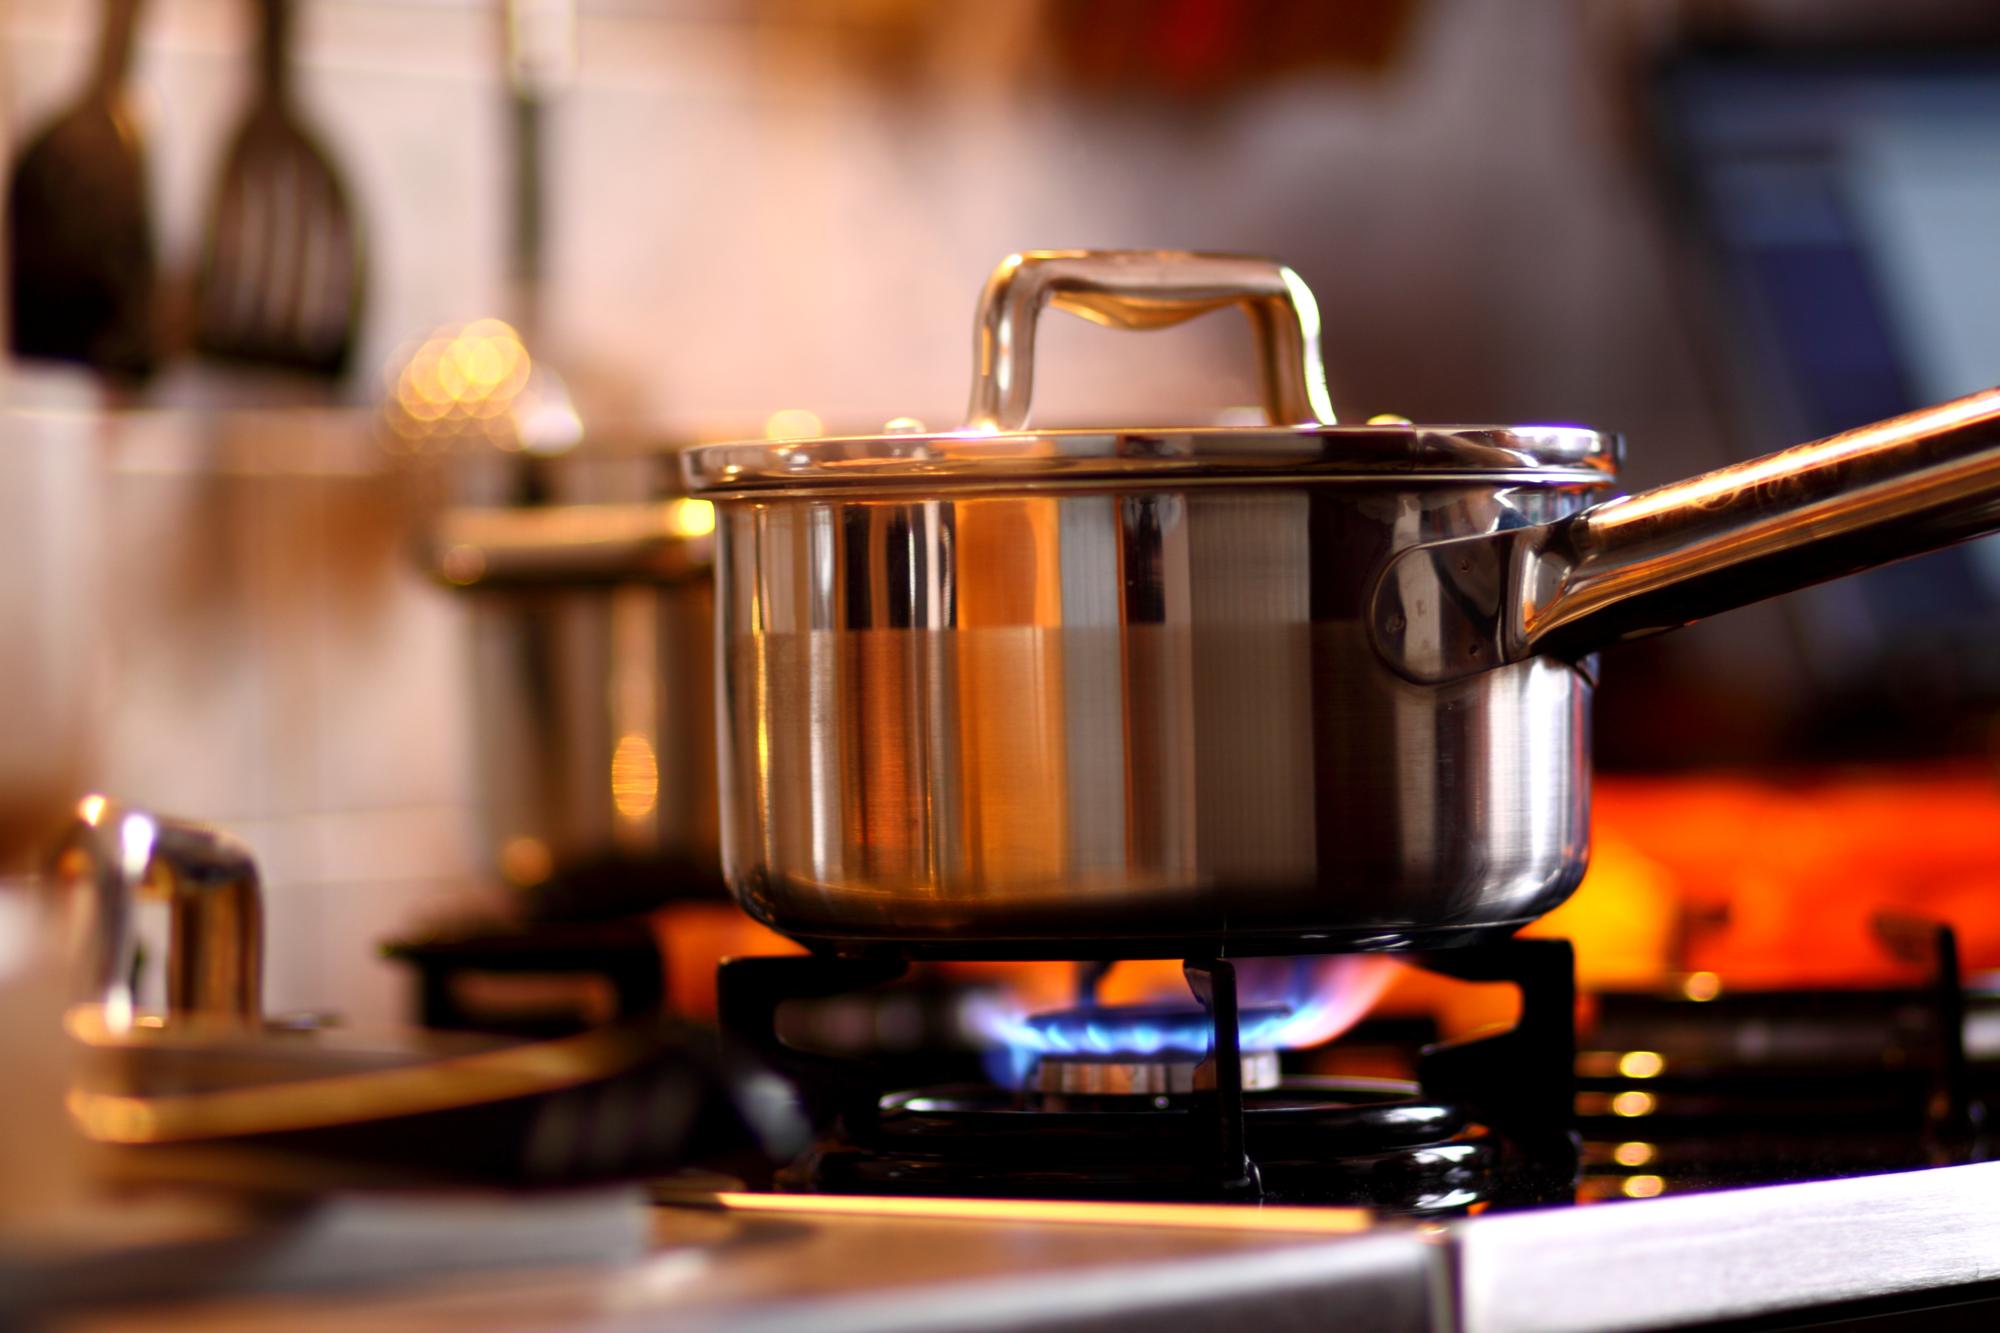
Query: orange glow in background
[[1759, 881], [1772, 882]]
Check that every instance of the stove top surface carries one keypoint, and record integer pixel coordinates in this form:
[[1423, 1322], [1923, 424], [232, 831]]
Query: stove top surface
[[1756, 1163]]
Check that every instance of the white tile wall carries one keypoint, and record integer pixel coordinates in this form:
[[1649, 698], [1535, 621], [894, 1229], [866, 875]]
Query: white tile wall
[[740, 222], [277, 664]]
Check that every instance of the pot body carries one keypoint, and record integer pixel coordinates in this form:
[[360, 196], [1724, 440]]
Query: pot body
[[1148, 718]]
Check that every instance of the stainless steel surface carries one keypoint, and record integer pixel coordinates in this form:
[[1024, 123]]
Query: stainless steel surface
[[1784, 1253], [1150, 716], [149, 1088], [1736, 1254], [1383, 1283], [1147, 712], [315, 1111], [874, 1268], [179, 1061], [966, 462], [988, 692], [1663, 558], [112, 855], [146, 1268], [1145, 1076], [1145, 290]]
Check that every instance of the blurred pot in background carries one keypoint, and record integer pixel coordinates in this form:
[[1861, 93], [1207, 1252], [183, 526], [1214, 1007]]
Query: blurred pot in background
[[593, 697], [587, 577]]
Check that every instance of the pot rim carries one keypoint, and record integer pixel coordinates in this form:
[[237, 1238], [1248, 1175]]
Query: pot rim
[[1534, 455]]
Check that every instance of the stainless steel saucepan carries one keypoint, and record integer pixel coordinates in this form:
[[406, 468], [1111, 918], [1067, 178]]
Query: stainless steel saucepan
[[1009, 689]]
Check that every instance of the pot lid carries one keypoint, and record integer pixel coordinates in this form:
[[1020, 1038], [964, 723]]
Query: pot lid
[[1132, 289]]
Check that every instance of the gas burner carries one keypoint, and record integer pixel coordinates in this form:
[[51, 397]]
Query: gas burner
[[1161, 1077], [1373, 1142], [1185, 1104]]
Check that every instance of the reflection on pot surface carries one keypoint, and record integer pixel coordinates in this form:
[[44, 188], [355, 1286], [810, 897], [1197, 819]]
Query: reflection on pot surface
[[1124, 713]]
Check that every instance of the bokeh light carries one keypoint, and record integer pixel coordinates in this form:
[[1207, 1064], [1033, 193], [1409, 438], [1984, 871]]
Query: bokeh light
[[476, 383]]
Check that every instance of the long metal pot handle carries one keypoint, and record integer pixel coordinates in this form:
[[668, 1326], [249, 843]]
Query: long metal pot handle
[[1144, 289], [1668, 556], [573, 544]]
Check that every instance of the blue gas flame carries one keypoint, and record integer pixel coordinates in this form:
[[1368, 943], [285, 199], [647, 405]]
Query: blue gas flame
[[1315, 1000], [1110, 1031]]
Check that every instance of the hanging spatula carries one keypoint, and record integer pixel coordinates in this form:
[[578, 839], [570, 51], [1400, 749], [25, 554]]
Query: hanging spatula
[[79, 240], [281, 275]]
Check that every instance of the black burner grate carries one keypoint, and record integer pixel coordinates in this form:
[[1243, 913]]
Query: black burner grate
[[1490, 1119], [1327, 1141]]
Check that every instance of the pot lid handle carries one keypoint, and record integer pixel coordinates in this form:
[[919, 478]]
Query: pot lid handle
[[1145, 289]]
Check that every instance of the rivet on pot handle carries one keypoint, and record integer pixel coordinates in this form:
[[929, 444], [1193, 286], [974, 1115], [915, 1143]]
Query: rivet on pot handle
[[1668, 556], [1144, 289]]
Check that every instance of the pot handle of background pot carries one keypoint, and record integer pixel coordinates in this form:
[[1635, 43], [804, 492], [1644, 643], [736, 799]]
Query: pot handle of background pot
[[572, 544], [1144, 289], [112, 855], [1665, 557]]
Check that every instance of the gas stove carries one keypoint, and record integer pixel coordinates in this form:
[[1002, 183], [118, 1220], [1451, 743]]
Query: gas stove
[[1261, 1141], [1281, 1141], [1692, 1155]]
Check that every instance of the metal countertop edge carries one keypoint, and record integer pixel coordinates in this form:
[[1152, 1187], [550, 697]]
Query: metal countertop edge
[[1610, 1268], [1392, 1281], [1733, 1254]]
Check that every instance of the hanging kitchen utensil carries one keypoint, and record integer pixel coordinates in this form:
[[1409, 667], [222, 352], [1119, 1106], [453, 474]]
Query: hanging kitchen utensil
[[1158, 691], [281, 277], [79, 234]]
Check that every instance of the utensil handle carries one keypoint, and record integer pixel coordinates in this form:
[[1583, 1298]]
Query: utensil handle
[[215, 954], [1665, 557], [114, 44], [274, 45], [1144, 289]]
